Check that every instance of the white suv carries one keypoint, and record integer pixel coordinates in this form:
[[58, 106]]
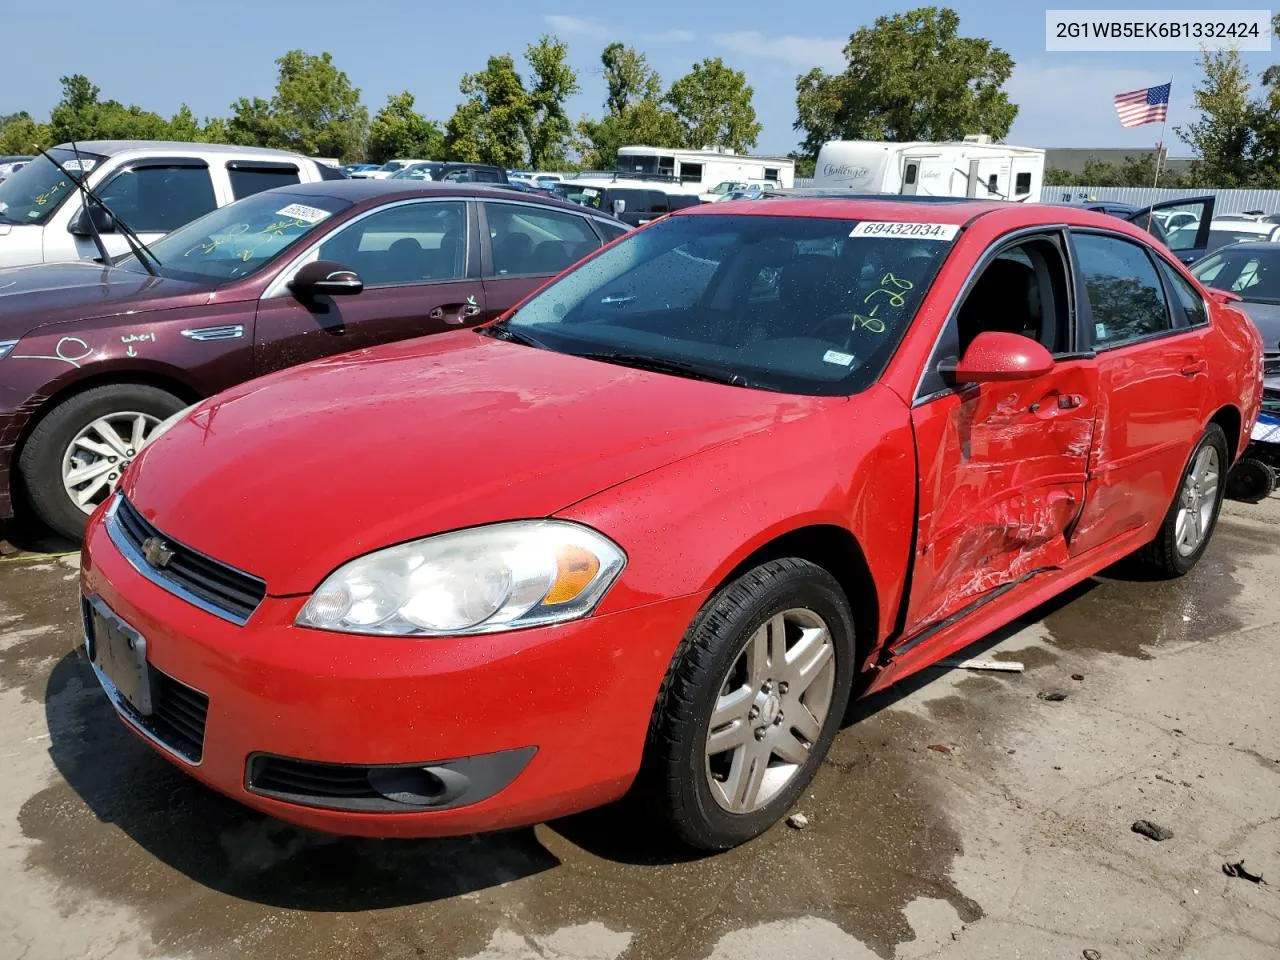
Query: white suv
[[153, 186]]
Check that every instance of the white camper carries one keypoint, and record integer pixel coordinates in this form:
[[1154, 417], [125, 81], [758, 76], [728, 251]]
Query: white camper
[[972, 167], [703, 169]]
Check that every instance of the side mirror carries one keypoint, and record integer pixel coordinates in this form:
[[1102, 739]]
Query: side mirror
[[325, 278], [82, 223], [619, 207], [994, 357], [1225, 297]]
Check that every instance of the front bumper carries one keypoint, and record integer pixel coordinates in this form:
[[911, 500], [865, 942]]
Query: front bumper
[[565, 708]]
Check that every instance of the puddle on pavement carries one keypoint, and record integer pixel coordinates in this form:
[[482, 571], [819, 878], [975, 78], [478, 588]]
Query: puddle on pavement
[[214, 879], [39, 620], [1135, 618]]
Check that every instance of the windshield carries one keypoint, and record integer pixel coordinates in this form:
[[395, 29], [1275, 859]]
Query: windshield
[[393, 165], [419, 171], [1251, 272], [32, 193], [790, 304], [236, 240], [727, 186]]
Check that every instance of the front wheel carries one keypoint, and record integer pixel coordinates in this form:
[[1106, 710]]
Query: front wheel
[[75, 456], [752, 702], [1187, 528]]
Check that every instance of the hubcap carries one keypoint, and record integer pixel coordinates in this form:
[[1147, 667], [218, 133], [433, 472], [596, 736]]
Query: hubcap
[[772, 705], [1198, 501], [95, 458]]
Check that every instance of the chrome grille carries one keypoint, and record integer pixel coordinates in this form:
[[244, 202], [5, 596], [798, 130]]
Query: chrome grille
[[202, 581]]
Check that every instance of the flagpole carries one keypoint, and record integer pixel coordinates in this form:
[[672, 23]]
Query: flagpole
[[1163, 125]]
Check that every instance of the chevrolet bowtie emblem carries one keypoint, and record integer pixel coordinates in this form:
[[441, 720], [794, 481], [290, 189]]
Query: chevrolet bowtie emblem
[[156, 552]]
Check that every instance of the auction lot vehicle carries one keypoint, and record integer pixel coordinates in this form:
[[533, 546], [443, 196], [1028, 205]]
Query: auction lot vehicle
[[973, 167], [653, 528], [93, 357], [153, 186]]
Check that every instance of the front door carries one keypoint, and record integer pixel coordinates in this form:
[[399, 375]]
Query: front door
[[1181, 225], [911, 177], [1002, 465], [415, 260], [1153, 372]]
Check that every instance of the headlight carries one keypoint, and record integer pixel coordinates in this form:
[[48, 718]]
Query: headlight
[[482, 580], [164, 426], [6, 346]]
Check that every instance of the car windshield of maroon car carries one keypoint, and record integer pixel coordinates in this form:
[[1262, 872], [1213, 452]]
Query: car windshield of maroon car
[[792, 304], [236, 240]]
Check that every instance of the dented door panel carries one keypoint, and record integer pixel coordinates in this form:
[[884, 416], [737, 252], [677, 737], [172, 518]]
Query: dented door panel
[[1002, 479]]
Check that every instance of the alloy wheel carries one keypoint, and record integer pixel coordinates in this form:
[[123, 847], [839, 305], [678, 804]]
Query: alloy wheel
[[1199, 501], [100, 452], [770, 711]]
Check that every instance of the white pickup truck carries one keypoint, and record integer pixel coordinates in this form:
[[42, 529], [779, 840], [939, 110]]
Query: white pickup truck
[[153, 186]]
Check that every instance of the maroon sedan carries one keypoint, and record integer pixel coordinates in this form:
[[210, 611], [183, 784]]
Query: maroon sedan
[[93, 357]]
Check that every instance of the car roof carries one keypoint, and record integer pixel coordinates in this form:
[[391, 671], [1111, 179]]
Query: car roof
[[110, 148], [1267, 245], [371, 192], [1243, 226], [837, 205]]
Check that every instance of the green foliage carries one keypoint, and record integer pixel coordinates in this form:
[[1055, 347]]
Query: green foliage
[[634, 111], [547, 129], [489, 126], [315, 110], [1224, 135], [911, 76], [400, 131], [712, 104], [628, 78], [21, 135]]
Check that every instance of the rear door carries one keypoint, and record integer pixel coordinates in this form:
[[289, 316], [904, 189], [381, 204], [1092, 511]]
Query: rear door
[[1139, 316], [1002, 465], [1181, 225], [420, 268], [524, 245]]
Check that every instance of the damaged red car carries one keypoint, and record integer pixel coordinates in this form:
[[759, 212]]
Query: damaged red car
[[652, 530]]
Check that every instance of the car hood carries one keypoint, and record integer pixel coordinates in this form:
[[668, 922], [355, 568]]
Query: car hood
[[292, 475], [32, 297], [1266, 317]]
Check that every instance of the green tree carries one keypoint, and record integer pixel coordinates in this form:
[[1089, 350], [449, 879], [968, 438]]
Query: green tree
[[1266, 122], [252, 124], [713, 106], [316, 111], [400, 131], [21, 135], [910, 76], [628, 78], [1224, 136], [547, 128], [489, 126]]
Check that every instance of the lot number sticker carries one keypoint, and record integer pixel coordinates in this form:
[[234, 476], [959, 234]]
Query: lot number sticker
[[906, 231], [300, 211]]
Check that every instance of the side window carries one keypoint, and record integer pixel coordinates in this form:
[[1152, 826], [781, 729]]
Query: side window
[[771, 174], [691, 172], [1022, 184], [410, 243], [993, 184], [1123, 289], [611, 231], [249, 178], [160, 198], [658, 202], [1023, 290], [529, 240], [1191, 301]]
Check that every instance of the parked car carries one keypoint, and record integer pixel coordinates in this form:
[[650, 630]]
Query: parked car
[[449, 172], [153, 186], [640, 203], [386, 171], [94, 357], [656, 525], [351, 169], [1251, 271], [12, 164], [1184, 226], [1224, 232]]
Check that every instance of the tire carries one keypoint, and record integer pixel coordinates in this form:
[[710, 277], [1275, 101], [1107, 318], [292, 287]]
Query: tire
[[713, 666], [1164, 556], [1251, 481], [42, 459]]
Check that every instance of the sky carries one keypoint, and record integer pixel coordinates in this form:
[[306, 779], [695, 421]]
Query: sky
[[161, 53]]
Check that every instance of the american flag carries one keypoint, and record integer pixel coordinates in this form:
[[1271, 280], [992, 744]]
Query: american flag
[[1149, 105]]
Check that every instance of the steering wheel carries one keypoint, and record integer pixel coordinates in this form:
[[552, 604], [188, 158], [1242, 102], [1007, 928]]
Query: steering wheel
[[844, 332]]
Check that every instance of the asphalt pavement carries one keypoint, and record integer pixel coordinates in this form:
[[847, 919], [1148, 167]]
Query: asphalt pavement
[[964, 814]]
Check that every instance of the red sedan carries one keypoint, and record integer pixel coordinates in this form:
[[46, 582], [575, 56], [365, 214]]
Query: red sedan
[[654, 527]]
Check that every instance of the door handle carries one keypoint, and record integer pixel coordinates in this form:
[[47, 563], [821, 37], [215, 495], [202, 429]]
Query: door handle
[[454, 312], [1070, 401], [469, 310], [1195, 368]]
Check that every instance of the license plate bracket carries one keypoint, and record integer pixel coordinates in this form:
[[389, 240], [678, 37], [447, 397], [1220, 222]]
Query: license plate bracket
[[120, 653]]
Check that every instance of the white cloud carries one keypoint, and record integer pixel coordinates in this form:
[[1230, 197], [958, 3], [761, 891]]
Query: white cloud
[[1071, 106], [575, 26], [799, 52], [673, 35]]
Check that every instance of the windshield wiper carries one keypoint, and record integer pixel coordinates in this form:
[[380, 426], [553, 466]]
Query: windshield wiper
[[139, 249], [500, 331], [680, 368]]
